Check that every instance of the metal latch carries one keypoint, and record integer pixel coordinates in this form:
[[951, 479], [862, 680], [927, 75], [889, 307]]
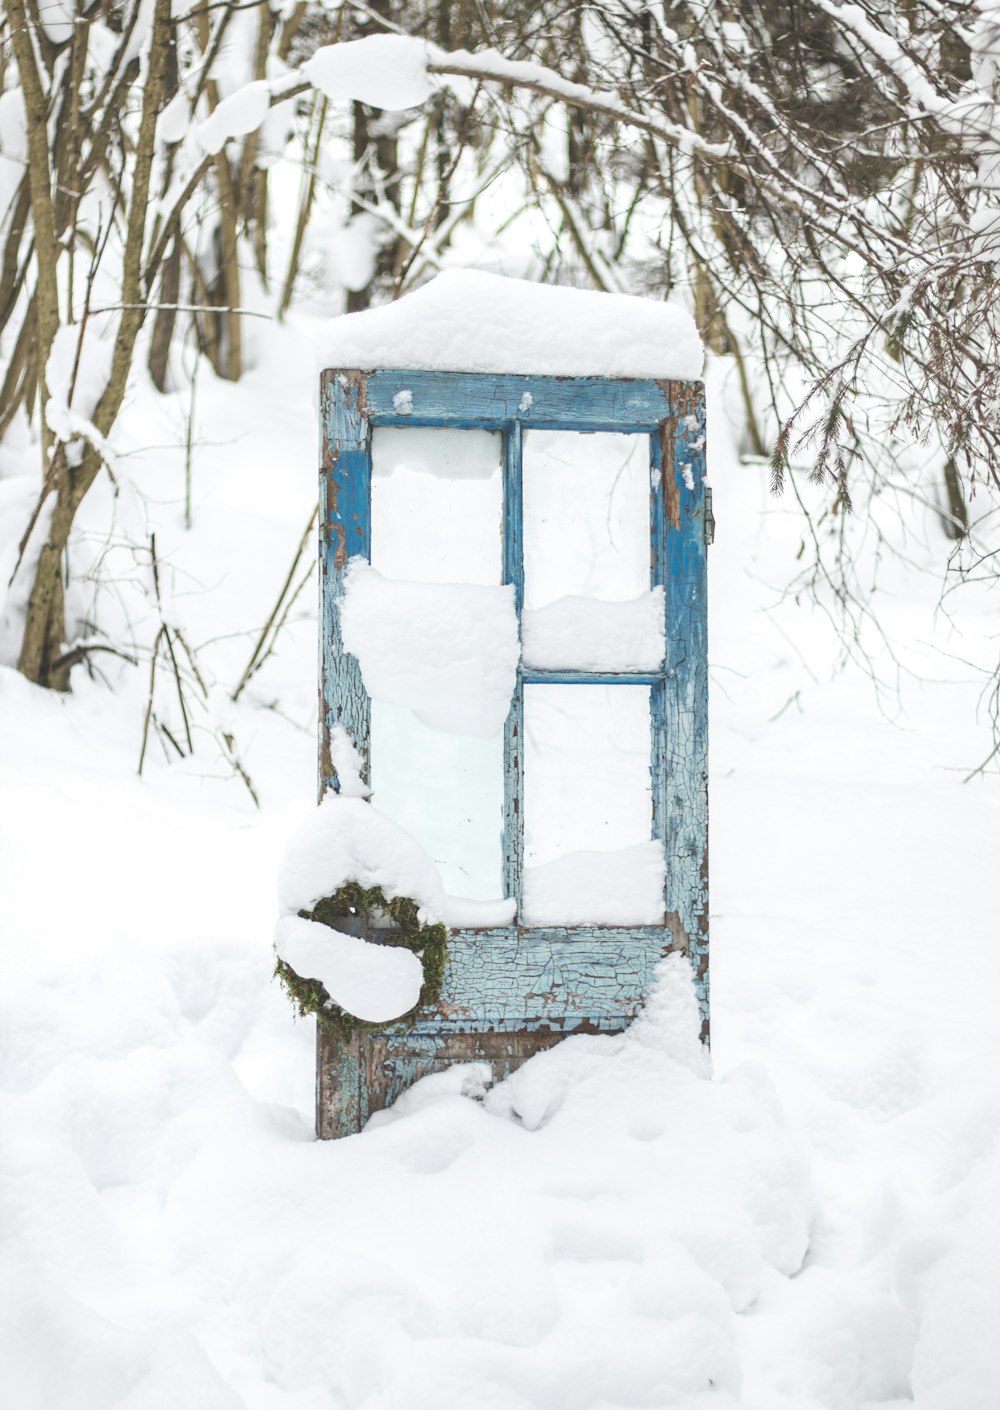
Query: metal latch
[[709, 517]]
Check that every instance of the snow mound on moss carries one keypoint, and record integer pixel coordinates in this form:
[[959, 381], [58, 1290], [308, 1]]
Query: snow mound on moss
[[346, 839], [376, 983]]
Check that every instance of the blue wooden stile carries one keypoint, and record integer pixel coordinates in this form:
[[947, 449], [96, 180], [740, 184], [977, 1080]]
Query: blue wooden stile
[[512, 990]]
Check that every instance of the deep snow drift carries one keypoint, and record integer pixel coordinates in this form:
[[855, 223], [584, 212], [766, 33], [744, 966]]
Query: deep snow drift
[[813, 1228]]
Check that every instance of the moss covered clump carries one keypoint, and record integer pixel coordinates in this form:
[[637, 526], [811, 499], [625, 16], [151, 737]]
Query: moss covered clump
[[428, 942]]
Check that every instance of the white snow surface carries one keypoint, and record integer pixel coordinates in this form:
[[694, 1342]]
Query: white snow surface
[[472, 911], [77, 372], [352, 250], [813, 1227], [447, 651], [597, 888], [585, 633], [466, 320], [13, 128], [388, 71], [58, 18], [585, 514], [347, 764], [435, 450], [242, 112], [346, 839], [175, 119], [437, 504], [371, 981]]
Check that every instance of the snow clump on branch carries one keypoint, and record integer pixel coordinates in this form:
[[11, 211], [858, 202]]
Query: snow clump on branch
[[387, 71]]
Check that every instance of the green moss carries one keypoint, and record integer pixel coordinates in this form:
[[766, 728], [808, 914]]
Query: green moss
[[428, 942]]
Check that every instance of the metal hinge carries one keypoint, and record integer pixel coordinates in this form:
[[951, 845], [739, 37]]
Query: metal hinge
[[709, 517]]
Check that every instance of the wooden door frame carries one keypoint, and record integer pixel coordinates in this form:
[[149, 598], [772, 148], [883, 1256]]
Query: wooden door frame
[[511, 990]]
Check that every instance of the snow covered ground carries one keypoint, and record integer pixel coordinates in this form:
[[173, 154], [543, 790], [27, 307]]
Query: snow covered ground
[[814, 1228]]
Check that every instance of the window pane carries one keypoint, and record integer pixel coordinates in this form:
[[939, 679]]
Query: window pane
[[446, 790], [588, 808], [437, 504], [586, 516]]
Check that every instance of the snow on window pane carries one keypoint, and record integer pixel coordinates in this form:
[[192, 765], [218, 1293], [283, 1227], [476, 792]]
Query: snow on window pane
[[588, 808], [437, 504], [584, 634], [597, 888], [448, 651], [586, 516], [445, 790]]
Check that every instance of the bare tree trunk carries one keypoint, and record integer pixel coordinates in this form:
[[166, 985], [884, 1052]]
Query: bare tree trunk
[[305, 205], [170, 280], [252, 180], [44, 631], [11, 277], [228, 285], [376, 143], [21, 372], [46, 300], [222, 342], [45, 628], [166, 315]]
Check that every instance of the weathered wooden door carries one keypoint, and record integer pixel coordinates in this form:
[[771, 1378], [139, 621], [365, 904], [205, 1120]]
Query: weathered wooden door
[[513, 989]]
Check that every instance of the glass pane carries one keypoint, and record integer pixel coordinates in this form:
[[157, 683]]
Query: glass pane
[[586, 516], [446, 790], [588, 808], [437, 504]]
